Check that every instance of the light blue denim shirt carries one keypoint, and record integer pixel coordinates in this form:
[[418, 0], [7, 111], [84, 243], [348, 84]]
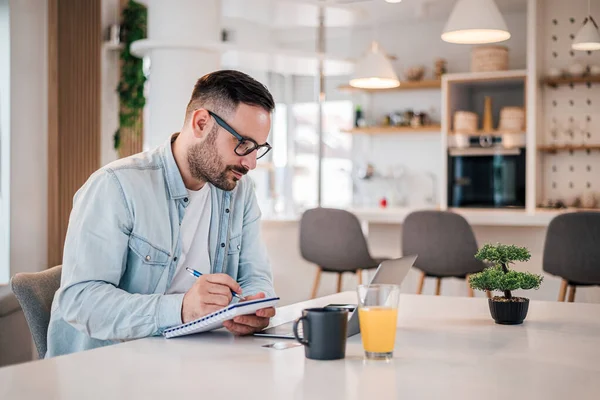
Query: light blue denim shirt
[[122, 247]]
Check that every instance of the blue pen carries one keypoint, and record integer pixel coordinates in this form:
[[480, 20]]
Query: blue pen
[[198, 275]]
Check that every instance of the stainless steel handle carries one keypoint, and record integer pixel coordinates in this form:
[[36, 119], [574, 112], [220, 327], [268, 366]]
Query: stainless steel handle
[[488, 151]]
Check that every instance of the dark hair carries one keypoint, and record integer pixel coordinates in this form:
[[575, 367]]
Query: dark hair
[[222, 91]]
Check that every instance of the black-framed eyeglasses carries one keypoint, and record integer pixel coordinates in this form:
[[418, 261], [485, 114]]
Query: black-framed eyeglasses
[[245, 145]]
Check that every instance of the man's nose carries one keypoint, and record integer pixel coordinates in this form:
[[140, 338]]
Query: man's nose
[[249, 161]]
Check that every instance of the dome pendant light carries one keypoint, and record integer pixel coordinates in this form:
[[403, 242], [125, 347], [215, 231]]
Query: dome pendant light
[[588, 37], [475, 22], [374, 71]]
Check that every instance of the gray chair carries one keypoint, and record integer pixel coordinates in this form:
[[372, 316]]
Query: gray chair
[[445, 245], [15, 340], [333, 240], [572, 251], [35, 292]]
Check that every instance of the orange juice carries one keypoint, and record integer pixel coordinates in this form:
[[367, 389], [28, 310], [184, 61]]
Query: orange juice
[[378, 328]]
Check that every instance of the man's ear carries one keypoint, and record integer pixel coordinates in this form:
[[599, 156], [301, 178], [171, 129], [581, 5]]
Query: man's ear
[[201, 122]]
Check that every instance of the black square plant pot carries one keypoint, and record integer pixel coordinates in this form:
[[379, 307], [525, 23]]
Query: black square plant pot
[[509, 312]]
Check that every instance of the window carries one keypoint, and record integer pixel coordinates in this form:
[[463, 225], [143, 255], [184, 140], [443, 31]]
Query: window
[[286, 181], [337, 162]]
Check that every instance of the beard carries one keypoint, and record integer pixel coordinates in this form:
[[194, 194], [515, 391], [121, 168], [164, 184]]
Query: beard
[[206, 164]]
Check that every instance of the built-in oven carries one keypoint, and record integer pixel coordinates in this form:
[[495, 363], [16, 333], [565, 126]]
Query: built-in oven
[[486, 176]]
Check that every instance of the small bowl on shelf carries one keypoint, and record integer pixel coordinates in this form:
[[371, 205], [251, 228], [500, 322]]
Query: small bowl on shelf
[[415, 73], [576, 70], [554, 73]]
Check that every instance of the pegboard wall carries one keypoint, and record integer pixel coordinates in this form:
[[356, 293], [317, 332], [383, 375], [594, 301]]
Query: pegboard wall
[[571, 113]]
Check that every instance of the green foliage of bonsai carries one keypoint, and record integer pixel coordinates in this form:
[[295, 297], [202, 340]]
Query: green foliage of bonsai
[[499, 276]]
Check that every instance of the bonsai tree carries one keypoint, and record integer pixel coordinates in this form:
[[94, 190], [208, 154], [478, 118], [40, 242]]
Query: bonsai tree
[[498, 276]]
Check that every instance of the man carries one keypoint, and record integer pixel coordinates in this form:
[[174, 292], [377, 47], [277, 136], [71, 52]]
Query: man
[[137, 223]]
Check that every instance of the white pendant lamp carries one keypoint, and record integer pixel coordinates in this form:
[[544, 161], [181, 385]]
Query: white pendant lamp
[[588, 37], [475, 22], [374, 71]]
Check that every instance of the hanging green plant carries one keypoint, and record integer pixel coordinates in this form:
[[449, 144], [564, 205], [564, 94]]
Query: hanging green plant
[[131, 84]]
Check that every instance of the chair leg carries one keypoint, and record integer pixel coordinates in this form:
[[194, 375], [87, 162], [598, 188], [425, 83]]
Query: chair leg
[[572, 293], [359, 276], [438, 286], [469, 288], [339, 282], [316, 284], [489, 294], [421, 283], [563, 290]]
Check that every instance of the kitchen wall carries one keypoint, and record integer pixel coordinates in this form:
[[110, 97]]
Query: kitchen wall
[[28, 142], [416, 42], [415, 157], [567, 175], [4, 140]]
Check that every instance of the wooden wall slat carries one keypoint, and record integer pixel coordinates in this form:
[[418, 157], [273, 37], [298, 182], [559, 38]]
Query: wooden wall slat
[[74, 109]]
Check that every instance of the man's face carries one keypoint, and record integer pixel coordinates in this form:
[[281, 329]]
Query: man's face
[[213, 159]]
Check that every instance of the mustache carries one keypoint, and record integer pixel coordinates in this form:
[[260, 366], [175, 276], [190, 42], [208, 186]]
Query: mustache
[[238, 169]]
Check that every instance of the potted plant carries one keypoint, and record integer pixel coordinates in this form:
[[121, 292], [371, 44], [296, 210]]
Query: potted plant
[[507, 309]]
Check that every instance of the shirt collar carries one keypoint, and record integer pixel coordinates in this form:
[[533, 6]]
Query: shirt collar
[[177, 189]]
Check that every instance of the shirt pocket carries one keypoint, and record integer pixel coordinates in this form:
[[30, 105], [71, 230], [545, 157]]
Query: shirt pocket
[[148, 253], [235, 245], [146, 264]]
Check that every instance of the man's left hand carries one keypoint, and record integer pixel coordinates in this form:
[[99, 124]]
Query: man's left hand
[[248, 324]]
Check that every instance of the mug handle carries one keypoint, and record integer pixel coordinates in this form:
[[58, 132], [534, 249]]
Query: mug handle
[[296, 322]]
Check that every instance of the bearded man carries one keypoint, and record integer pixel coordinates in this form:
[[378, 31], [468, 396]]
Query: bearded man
[[139, 222]]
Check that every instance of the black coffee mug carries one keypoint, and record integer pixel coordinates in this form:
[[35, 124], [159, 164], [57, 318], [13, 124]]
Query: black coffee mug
[[324, 333]]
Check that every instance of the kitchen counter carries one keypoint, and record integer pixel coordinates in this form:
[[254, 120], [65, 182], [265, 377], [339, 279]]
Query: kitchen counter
[[475, 216]]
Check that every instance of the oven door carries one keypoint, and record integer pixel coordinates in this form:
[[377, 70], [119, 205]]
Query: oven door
[[486, 177]]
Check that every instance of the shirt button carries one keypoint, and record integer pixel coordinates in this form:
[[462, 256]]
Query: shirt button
[[147, 258], [239, 246], [227, 210], [174, 258], [185, 199], [222, 244]]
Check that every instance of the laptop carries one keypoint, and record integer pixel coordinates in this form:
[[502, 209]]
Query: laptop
[[390, 272]]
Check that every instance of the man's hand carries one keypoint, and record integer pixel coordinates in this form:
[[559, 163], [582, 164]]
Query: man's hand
[[210, 293], [248, 324]]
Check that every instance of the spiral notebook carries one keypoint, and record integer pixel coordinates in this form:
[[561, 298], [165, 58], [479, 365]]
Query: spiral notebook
[[216, 319]]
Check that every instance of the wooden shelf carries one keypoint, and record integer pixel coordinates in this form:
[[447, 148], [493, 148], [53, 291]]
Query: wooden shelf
[[554, 82], [556, 149], [396, 129], [405, 85], [488, 133]]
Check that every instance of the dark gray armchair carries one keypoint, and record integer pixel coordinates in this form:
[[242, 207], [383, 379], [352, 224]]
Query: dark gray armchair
[[572, 251], [333, 240], [445, 244], [35, 292]]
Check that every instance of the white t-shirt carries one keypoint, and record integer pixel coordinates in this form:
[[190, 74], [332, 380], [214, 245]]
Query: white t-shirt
[[195, 227]]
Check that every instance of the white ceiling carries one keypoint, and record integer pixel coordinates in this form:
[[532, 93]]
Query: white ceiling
[[304, 13]]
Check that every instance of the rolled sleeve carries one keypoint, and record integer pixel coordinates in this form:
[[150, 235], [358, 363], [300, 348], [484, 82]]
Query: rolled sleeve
[[169, 311]]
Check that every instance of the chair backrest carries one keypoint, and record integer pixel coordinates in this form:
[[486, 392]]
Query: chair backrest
[[333, 239], [444, 242], [35, 292], [572, 247]]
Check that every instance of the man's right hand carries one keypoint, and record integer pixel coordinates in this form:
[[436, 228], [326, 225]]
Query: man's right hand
[[210, 293]]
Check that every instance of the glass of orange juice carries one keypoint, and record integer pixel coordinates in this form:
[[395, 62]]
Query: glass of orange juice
[[377, 315]]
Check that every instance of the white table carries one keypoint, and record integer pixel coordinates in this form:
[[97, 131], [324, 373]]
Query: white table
[[447, 347]]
